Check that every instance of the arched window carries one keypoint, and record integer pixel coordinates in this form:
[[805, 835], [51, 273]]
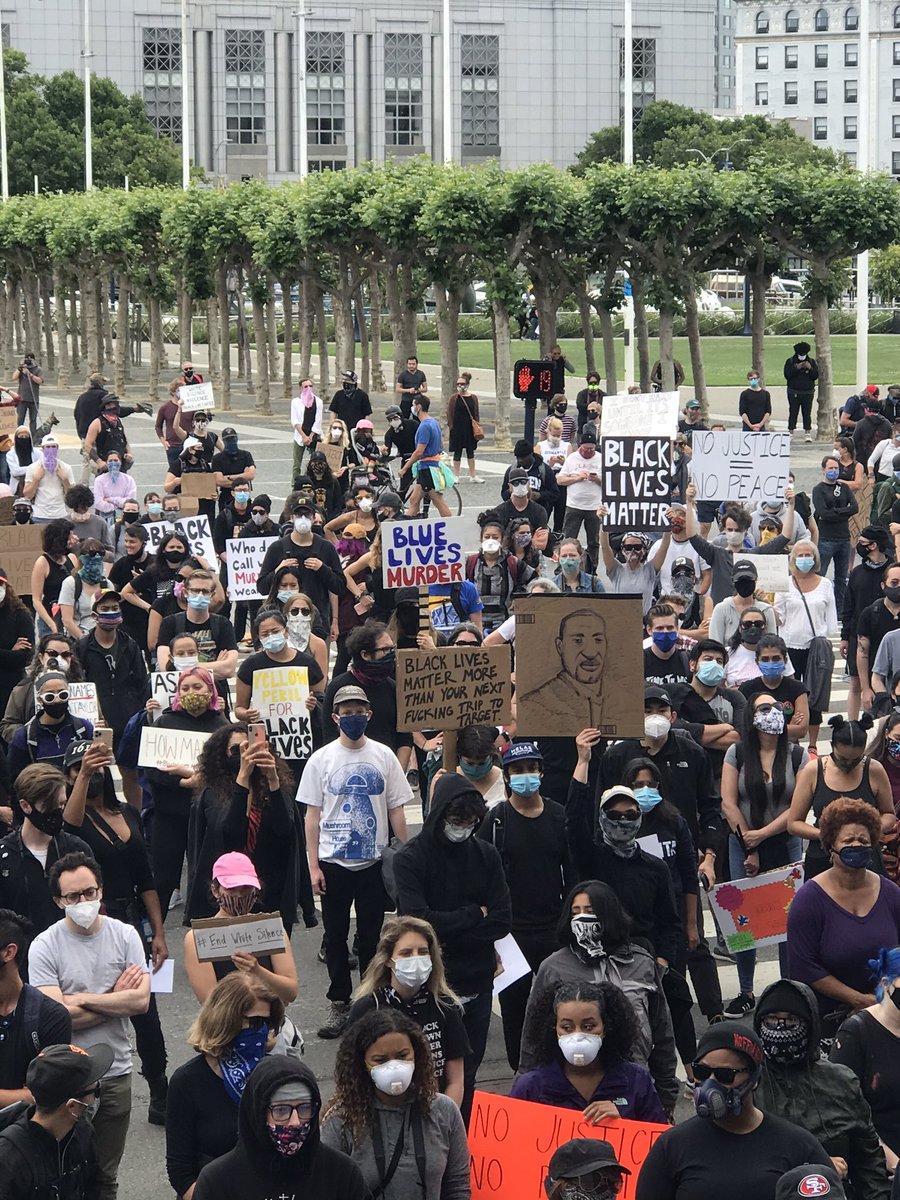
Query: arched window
[[821, 21], [791, 21], [851, 18], [897, 17], [762, 22]]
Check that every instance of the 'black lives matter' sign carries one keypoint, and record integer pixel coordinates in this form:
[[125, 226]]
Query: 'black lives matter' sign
[[637, 482]]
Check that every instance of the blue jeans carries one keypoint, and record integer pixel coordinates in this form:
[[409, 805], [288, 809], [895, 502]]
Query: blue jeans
[[839, 553], [779, 853]]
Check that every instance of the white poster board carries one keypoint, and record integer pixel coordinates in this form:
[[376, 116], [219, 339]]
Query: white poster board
[[196, 397], [83, 701], [162, 687], [279, 695], [163, 748], [514, 965], [772, 570], [194, 529], [419, 552], [649, 414], [220, 937], [741, 466], [244, 557]]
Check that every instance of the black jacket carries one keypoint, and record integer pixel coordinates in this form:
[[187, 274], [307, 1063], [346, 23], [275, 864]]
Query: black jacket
[[35, 1166], [544, 488], [225, 524], [833, 506], [448, 884], [383, 699], [254, 1170], [318, 585], [824, 1098], [23, 881], [168, 794], [797, 377], [863, 589], [122, 692]]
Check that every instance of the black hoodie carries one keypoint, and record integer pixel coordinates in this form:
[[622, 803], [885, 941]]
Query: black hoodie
[[448, 884], [254, 1170], [822, 1097]]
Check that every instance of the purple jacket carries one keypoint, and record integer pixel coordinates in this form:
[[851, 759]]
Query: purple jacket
[[629, 1086]]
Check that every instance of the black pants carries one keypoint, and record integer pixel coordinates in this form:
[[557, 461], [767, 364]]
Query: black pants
[[702, 969], [148, 1034], [514, 999], [170, 835], [363, 890], [477, 1021], [798, 401], [342, 661], [244, 614]]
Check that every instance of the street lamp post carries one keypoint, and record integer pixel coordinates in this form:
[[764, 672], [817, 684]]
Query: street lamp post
[[728, 165], [447, 96], [186, 58], [628, 158], [4, 164], [863, 163], [88, 133], [301, 15]]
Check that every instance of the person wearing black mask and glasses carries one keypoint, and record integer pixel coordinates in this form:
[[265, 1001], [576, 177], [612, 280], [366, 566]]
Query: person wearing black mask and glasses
[[46, 737]]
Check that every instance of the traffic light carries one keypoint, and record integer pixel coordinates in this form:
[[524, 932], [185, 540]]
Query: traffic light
[[537, 379]]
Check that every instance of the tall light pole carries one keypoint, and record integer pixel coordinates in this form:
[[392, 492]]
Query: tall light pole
[[628, 158], [186, 59], [301, 15], [4, 165], [447, 59], [87, 55], [863, 163]]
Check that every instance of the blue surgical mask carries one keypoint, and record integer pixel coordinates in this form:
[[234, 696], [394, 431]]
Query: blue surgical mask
[[805, 563], [242, 497], [525, 785], [647, 798], [114, 468], [476, 770], [897, 474], [665, 639], [771, 670], [197, 602], [754, 383], [570, 565], [154, 509], [856, 857], [285, 594], [710, 673], [832, 474], [353, 725], [273, 642]]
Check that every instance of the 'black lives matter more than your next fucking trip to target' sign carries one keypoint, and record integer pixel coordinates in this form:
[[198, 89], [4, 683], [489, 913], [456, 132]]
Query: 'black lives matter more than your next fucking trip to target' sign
[[637, 482]]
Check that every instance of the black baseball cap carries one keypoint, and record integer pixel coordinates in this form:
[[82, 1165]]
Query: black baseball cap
[[303, 506], [60, 1073], [683, 566], [812, 1179], [76, 751], [588, 435], [229, 432], [744, 569], [654, 692], [518, 475], [582, 1155]]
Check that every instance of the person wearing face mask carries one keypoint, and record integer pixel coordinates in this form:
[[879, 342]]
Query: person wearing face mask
[[192, 460], [407, 1137], [455, 881], [301, 616], [236, 890], [359, 510], [236, 1027], [327, 492], [882, 471], [306, 419], [754, 404], [664, 662], [571, 574], [743, 664], [528, 831], [774, 678], [95, 965], [354, 790], [351, 404], [885, 749], [213, 633], [823, 1098], [584, 1169], [21, 455], [106, 435], [197, 427], [400, 439], [679, 548], [46, 737], [407, 974], [373, 666], [47, 1145], [88, 523], [134, 560], [542, 486], [46, 482], [233, 467], [558, 411], [316, 559], [462, 419], [54, 652], [584, 1062], [877, 651], [496, 576], [520, 505], [864, 588], [634, 569], [16, 639], [871, 429], [592, 394], [168, 568], [841, 918], [801, 373], [278, 1147], [579, 476], [708, 702], [731, 1146], [476, 748], [833, 505]]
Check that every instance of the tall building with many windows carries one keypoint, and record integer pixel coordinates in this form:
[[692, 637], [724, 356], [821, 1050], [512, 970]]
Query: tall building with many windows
[[801, 59], [530, 80]]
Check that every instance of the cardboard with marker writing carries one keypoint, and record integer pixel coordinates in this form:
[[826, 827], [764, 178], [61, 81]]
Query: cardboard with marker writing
[[648, 414], [9, 421], [279, 695], [217, 938], [740, 465], [579, 665], [421, 552], [20, 546], [334, 455], [163, 748], [453, 686]]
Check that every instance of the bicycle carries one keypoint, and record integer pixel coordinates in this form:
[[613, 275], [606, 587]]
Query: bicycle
[[382, 475]]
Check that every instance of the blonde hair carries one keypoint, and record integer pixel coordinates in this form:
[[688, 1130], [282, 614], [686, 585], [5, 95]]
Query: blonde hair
[[220, 1019], [378, 972], [345, 437], [289, 605], [806, 543], [554, 426]]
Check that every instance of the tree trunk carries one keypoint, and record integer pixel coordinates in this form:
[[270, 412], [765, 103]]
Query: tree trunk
[[32, 318], [75, 326], [103, 322], [322, 333], [395, 315], [666, 346], [378, 380], [447, 301], [89, 316], [121, 335], [212, 343], [6, 360], [19, 315], [758, 287], [272, 335], [11, 292], [245, 364], [587, 327], [263, 400], [825, 417], [365, 375], [288, 307], [224, 338], [185, 333], [62, 331], [642, 336], [408, 315], [155, 329], [306, 317], [608, 333], [693, 332], [546, 309], [342, 310], [502, 375], [49, 347]]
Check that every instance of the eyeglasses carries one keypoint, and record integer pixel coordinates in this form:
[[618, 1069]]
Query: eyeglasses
[[702, 1072], [282, 1113], [199, 592], [90, 893], [630, 814], [753, 625], [380, 651], [50, 697], [256, 1022], [773, 1021], [94, 1095]]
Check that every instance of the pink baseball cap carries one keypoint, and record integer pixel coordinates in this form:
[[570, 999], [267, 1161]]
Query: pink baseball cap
[[235, 870]]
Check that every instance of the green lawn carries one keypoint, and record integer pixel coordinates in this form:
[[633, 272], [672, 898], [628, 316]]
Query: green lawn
[[726, 359]]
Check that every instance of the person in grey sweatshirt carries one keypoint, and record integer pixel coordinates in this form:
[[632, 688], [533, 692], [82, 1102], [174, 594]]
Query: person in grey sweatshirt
[[406, 1137]]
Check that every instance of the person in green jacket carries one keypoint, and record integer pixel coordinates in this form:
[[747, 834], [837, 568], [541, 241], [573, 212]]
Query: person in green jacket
[[803, 1087]]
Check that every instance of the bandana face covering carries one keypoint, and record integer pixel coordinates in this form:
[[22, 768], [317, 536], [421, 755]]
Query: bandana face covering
[[785, 1046], [588, 933], [620, 835], [246, 1053]]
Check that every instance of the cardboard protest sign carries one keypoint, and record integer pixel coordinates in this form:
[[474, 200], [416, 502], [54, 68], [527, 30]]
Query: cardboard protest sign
[[511, 1143], [334, 455], [742, 466], [220, 937], [162, 687], [6, 509], [20, 545], [279, 695], [83, 701], [244, 557], [753, 912], [650, 414], [419, 552], [579, 665], [163, 748], [9, 421], [201, 484], [453, 686], [772, 570], [196, 397], [194, 529], [637, 482]]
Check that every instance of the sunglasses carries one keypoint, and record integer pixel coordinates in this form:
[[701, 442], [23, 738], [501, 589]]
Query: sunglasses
[[726, 1075], [51, 697], [629, 548], [257, 1022], [630, 814], [301, 612], [753, 625], [771, 1021]]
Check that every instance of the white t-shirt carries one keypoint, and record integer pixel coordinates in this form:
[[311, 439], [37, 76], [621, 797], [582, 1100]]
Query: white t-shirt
[[298, 412], [354, 789], [679, 550], [76, 962], [49, 501], [586, 493], [548, 452]]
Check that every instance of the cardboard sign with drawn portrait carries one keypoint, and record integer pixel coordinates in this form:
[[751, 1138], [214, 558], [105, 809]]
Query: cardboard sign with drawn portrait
[[579, 665]]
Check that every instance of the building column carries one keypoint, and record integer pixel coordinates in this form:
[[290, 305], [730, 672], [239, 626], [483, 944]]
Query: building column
[[203, 152], [362, 98], [284, 158], [437, 97]]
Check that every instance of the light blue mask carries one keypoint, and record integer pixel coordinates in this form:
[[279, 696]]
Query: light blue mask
[[647, 798], [805, 563], [242, 497], [199, 603], [525, 785], [710, 673]]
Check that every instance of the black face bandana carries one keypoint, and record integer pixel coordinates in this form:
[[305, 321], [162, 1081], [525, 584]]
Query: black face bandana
[[785, 1046]]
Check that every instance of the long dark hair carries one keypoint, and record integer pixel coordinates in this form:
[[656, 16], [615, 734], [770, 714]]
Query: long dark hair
[[754, 780], [214, 768], [609, 912], [669, 814], [620, 1028], [159, 566], [55, 537], [75, 671], [736, 639]]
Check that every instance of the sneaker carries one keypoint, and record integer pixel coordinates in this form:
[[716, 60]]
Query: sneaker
[[337, 1021], [808, 438], [475, 479], [156, 1110], [320, 955], [176, 901], [412, 777], [716, 1019], [741, 1006], [689, 1088], [720, 950]]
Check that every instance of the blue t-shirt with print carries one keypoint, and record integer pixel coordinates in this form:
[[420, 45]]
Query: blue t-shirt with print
[[444, 616]]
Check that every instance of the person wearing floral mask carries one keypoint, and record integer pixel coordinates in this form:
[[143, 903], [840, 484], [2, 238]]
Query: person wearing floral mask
[[46, 737], [236, 890], [584, 1062], [96, 966], [407, 974], [385, 1097], [278, 1144], [301, 617]]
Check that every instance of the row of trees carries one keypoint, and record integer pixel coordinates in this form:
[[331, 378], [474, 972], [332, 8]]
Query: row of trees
[[374, 240]]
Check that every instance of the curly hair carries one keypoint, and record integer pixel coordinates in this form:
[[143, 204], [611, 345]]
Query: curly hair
[[848, 811], [620, 1028], [355, 1093], [215, 774], [55, 537], [364, 638]]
